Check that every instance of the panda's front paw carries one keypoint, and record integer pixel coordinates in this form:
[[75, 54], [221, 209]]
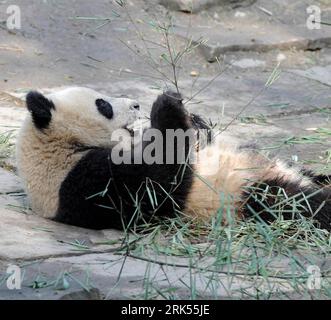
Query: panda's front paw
[[168, 112], [173, 95]]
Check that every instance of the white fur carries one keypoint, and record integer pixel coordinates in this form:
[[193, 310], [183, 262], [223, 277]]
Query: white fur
[[223, 171], [44, 158]]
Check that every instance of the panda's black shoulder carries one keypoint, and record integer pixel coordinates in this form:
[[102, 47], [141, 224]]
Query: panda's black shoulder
[[99, 194], [89, 173], [80, 193]]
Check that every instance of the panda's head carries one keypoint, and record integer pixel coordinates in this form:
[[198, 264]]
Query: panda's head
[[79, 116]]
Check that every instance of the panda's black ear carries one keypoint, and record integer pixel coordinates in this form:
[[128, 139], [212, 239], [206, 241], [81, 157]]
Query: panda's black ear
[[40, 108]]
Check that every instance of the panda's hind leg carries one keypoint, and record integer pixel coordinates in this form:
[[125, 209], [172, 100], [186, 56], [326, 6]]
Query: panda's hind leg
[[321, 179], [268, 199]]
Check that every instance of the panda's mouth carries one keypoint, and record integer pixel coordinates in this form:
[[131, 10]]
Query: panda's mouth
[[131, 131], [129, 128], [136, 126]]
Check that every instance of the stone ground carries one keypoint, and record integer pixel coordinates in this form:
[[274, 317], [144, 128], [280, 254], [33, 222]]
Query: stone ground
[[55, 48]]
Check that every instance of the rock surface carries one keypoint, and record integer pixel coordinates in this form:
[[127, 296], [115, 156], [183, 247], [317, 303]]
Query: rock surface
[[255, 28], [193, 6], [320, 74]]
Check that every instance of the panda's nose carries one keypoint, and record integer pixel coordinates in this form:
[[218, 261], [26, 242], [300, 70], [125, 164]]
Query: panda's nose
[[135, 106]]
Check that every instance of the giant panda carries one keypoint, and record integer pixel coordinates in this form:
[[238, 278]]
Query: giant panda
[[64, 156]]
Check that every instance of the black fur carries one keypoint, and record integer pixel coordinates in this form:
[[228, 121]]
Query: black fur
[[168, 113], [270, 195], [320, 179], [100, 194], [40, 108], [200, 124], [105, 108]]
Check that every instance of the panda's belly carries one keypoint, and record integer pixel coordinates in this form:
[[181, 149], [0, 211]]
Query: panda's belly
[[220, 175]]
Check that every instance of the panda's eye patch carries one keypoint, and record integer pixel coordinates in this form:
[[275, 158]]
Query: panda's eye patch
[[105, 108]]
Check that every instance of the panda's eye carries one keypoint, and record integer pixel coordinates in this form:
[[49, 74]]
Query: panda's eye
[[105, 108]]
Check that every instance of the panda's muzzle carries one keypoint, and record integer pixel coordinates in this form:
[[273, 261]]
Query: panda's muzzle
[[129, 129], [135, 114]]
